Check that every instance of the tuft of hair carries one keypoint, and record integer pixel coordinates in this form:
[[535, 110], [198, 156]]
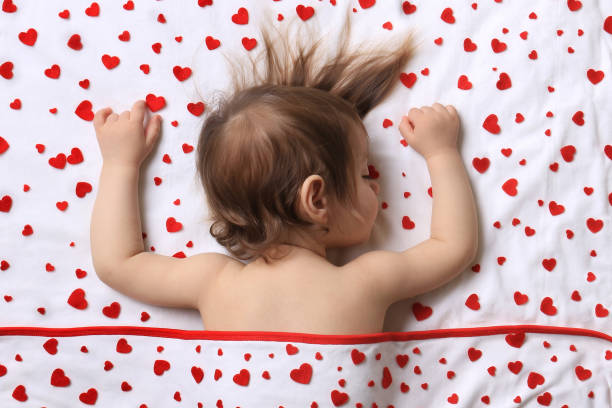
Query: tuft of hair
[[262, 141]]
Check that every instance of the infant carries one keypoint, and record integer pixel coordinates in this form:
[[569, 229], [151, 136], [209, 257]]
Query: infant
[[284, 165]]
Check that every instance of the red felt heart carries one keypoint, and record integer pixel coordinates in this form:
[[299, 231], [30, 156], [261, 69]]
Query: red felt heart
[[84, 111], [89, 397], [123, 346], [29, 37], [408, 79], [594, 225], [357, 356], [110, 62], [490, 124], [509, 187], [197, 373], [59, 379], [421, 312], [242, 17], [582, 373], [481, 165], [474, 354], [535, 379], [242, 378], [547, 307], [515, 339], [303, 374], [304, 12], [112, 311], [339, 398], [160, 366], [464, 83], [75, 157], [155, 103], [515, 367], [77, 299]]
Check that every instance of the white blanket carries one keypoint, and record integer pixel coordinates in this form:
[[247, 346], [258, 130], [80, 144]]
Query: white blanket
[[531, 82]]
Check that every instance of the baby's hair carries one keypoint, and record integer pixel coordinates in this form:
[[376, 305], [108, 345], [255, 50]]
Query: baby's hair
[[261, 143]]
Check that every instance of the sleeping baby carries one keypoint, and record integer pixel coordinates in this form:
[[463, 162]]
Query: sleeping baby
[[284, 164]]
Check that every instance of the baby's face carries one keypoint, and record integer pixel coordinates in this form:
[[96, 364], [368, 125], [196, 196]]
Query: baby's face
[[355, 226]]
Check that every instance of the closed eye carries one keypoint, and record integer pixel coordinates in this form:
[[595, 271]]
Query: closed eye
[[366, 177]]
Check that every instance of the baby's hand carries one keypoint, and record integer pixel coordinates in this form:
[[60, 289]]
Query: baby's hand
[[122, 138], [430, 130]]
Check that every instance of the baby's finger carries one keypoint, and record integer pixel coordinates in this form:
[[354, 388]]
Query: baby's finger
[[138, 111], [125, 115], [451, 109], [101, 116], [438, 107]]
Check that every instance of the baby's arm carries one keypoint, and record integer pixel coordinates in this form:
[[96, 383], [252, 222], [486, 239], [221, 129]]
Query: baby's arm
[[391, 276], [117, 249]]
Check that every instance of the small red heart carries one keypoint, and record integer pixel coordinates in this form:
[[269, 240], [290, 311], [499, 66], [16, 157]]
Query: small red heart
[[302, 375], [421, 312], [408, 8], [59, 161], [110, 62], [490, 124], [510, 187], [578, 118], [582, 373], [568, 153], [339, 398], [535, 379], [160, 366], [84, 111], [472, 302], [123, 346], [547, 307], [19, 393], [181, 73], [51, 346], [28, 37], [481, 165], [76, 156], [74, 42], [498, 46], [77, 299], [453, 399], [124, 36], [304, 12], [242, 378], [544, 399], [408, 79], [515, 339], [474, 354], [155, 103], [357, 356], [447, 16], [53, 72], [89, 397], [242, 17], [549, 264], [196, 109], [594, 225], [172, 225], [291, 349], [212, 43], [112, 311], [468, 45], [595, 76], [574, 5], [93, 10], [82, 188], [64, 14], [59, 379], [504, 82], [402, 360], [515, 367], [601, 311], [197, 373], [464, 83]]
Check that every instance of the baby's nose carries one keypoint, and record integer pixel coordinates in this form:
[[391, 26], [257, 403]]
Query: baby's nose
[[375, 187]]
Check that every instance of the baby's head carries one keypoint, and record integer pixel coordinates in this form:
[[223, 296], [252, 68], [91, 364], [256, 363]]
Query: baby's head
[[284, 158]]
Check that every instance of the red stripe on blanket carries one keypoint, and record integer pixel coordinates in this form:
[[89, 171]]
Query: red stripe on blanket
[[295, 337]]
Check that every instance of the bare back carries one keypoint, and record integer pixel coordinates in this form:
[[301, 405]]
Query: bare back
[[304, 294]]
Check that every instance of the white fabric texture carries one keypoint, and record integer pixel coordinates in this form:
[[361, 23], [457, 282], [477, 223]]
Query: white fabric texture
[[534, 102]]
